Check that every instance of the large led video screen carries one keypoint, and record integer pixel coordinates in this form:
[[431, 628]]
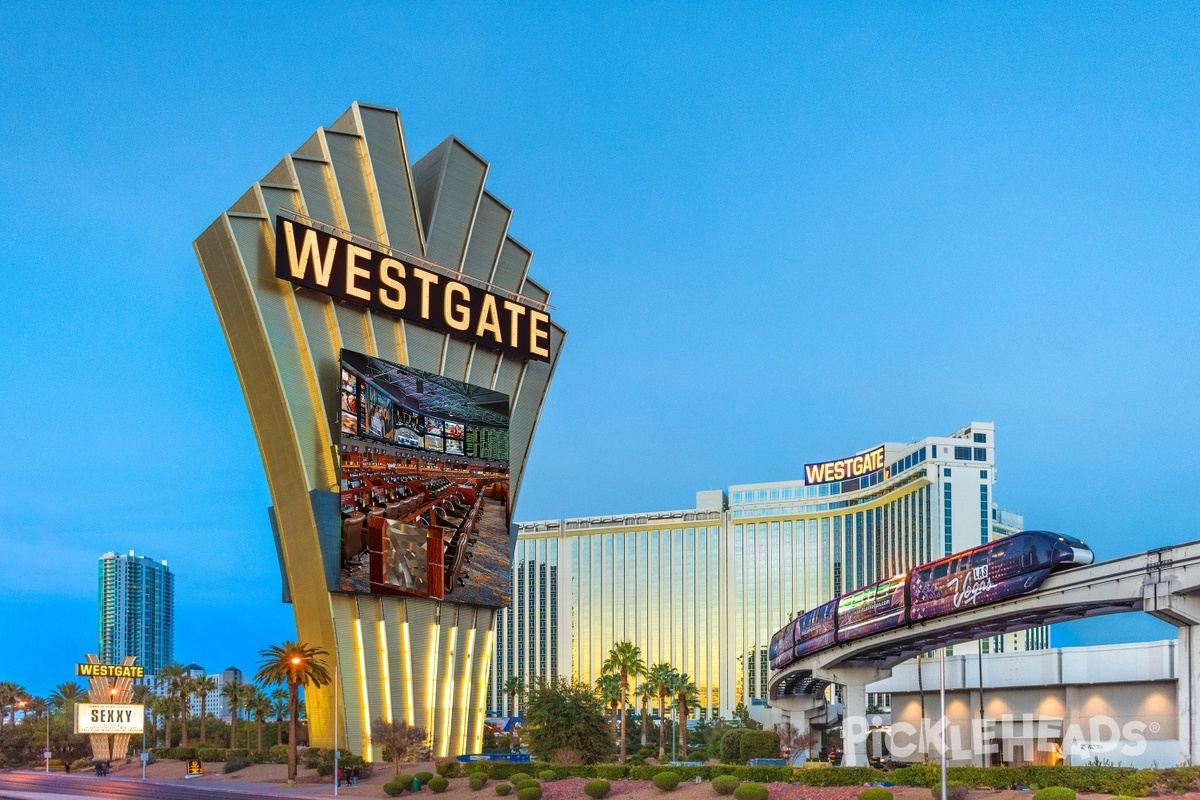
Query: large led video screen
[[423, 477]]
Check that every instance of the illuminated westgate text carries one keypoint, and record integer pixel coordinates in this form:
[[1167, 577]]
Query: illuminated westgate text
[[348, 271], [852, 467]]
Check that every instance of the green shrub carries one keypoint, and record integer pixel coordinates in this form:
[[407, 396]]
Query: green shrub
[[875, 794], [503, 788], [750, 791], [448, 768], [530, 793], [547, 774], [666, 781], [611, 772], [234, 764], [423, 777], [597, 789], [517, 777], [477, 782], [725, 784], [278, 754], [528, 783], [210, 753], [758, 744], [1055, 793], [439, 784], [397, 785], [731, 744], [955, 790]]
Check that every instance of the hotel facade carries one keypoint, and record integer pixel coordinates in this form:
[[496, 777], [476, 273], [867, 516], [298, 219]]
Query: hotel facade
[[705, 588]]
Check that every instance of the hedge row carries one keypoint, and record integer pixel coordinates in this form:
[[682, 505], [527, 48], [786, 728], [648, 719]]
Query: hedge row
[[277, 754], [1092, 779]]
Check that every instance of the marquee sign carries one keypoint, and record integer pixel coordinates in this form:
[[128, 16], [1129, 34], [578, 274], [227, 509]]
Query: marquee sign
[[109, 717], [379, 280], [853, 467], [109, 671]]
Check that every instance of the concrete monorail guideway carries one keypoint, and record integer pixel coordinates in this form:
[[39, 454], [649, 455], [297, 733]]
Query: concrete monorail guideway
[[1164, 582]]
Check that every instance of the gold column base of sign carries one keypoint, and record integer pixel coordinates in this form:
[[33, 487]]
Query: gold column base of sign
[[108, 746]]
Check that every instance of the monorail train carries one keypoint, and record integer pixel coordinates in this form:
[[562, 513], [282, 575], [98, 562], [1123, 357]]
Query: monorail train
[[985, 574]]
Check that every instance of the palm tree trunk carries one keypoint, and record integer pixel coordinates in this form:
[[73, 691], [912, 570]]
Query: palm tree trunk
[[682, 717], [293, 702], [624, 709], [203, 717], [258, 722], [662, 728], [183, 742], [645, 720], [278, 730]]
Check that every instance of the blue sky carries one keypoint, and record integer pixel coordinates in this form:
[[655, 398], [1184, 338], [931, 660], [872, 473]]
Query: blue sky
[[776, 233]]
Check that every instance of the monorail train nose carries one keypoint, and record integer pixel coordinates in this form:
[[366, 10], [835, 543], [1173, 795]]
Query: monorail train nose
[[1073, 551]]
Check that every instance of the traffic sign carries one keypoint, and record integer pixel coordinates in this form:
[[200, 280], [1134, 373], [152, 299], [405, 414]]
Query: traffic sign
[[194, 768]]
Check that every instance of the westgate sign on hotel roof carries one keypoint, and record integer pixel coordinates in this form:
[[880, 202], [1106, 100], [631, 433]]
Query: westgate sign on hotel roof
[[853, 467]]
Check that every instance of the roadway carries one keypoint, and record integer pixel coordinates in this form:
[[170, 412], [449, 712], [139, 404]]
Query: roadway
[[29, 785]]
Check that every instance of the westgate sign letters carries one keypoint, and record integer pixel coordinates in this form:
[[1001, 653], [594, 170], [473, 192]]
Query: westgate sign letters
[[109, 671], [378, 280], [853, 467], [109, 718]]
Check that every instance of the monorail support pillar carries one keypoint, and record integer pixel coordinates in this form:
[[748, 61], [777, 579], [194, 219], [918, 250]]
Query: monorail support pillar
[[855, 725], [1182, 611]]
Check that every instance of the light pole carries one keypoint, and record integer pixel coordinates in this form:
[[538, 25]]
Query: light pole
[[47, 753], [942, 667], [337, 674]]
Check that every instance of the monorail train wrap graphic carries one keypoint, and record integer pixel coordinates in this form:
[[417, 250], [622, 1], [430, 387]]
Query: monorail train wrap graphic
[[985, 574]]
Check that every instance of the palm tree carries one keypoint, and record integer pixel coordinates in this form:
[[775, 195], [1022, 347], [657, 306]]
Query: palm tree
[[178, 680], [172, 707], [646, 691], [204, 685], [261, 705], [298, 665], [10, 694], [157, 707], [686, 695], [625, 661], [279, 707], [609, 689], [514, 688], [234, 693], [66, 695], [659, 677]]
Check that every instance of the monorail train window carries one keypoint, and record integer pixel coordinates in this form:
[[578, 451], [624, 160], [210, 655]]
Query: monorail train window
[[998, 552], [979, 559], [1026, 559], [925, 574], [940, 571]]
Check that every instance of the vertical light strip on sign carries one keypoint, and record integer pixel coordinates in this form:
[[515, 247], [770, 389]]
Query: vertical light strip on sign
[[448, 701], [489, 643], [465, 702], [360, 652], [409, 705], [383, 666], [434, 643]]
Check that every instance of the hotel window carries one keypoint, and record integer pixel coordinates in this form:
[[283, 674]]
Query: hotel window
[[946, 472], [983, 513], [774, 494], [981, 438], [737, 497], [787, 494], [981, 454], [962, 453], [762, 494], [983, 474]]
